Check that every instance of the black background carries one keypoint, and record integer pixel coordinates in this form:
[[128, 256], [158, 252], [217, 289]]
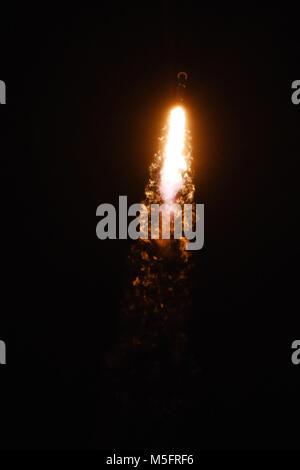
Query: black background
[[88, 91]]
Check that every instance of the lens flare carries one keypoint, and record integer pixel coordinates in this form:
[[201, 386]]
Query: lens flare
[[174, 161]]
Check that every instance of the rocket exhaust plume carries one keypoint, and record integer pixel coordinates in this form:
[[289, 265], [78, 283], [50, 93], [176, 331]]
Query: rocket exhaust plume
[[152, 339], [174, 164]]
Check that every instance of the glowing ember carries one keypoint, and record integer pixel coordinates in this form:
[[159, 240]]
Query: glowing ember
[[174, 164]]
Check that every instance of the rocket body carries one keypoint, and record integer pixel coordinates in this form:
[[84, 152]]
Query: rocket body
[[182, 78]]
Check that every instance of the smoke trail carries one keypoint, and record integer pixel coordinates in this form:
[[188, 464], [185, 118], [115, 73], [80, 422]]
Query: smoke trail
[[151, 353]]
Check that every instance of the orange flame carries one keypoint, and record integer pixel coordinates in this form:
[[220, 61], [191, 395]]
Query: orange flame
[[174, 160]]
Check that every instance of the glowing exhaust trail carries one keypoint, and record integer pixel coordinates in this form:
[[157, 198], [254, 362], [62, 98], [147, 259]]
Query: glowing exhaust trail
[[174, 164]]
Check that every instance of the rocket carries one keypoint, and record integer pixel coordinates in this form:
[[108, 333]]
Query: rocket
[[182, 78]]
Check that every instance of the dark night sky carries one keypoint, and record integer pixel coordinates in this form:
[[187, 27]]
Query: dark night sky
[[88, 93]]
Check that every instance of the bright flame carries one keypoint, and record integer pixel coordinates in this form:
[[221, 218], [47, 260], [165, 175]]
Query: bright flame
[[174, 160]]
